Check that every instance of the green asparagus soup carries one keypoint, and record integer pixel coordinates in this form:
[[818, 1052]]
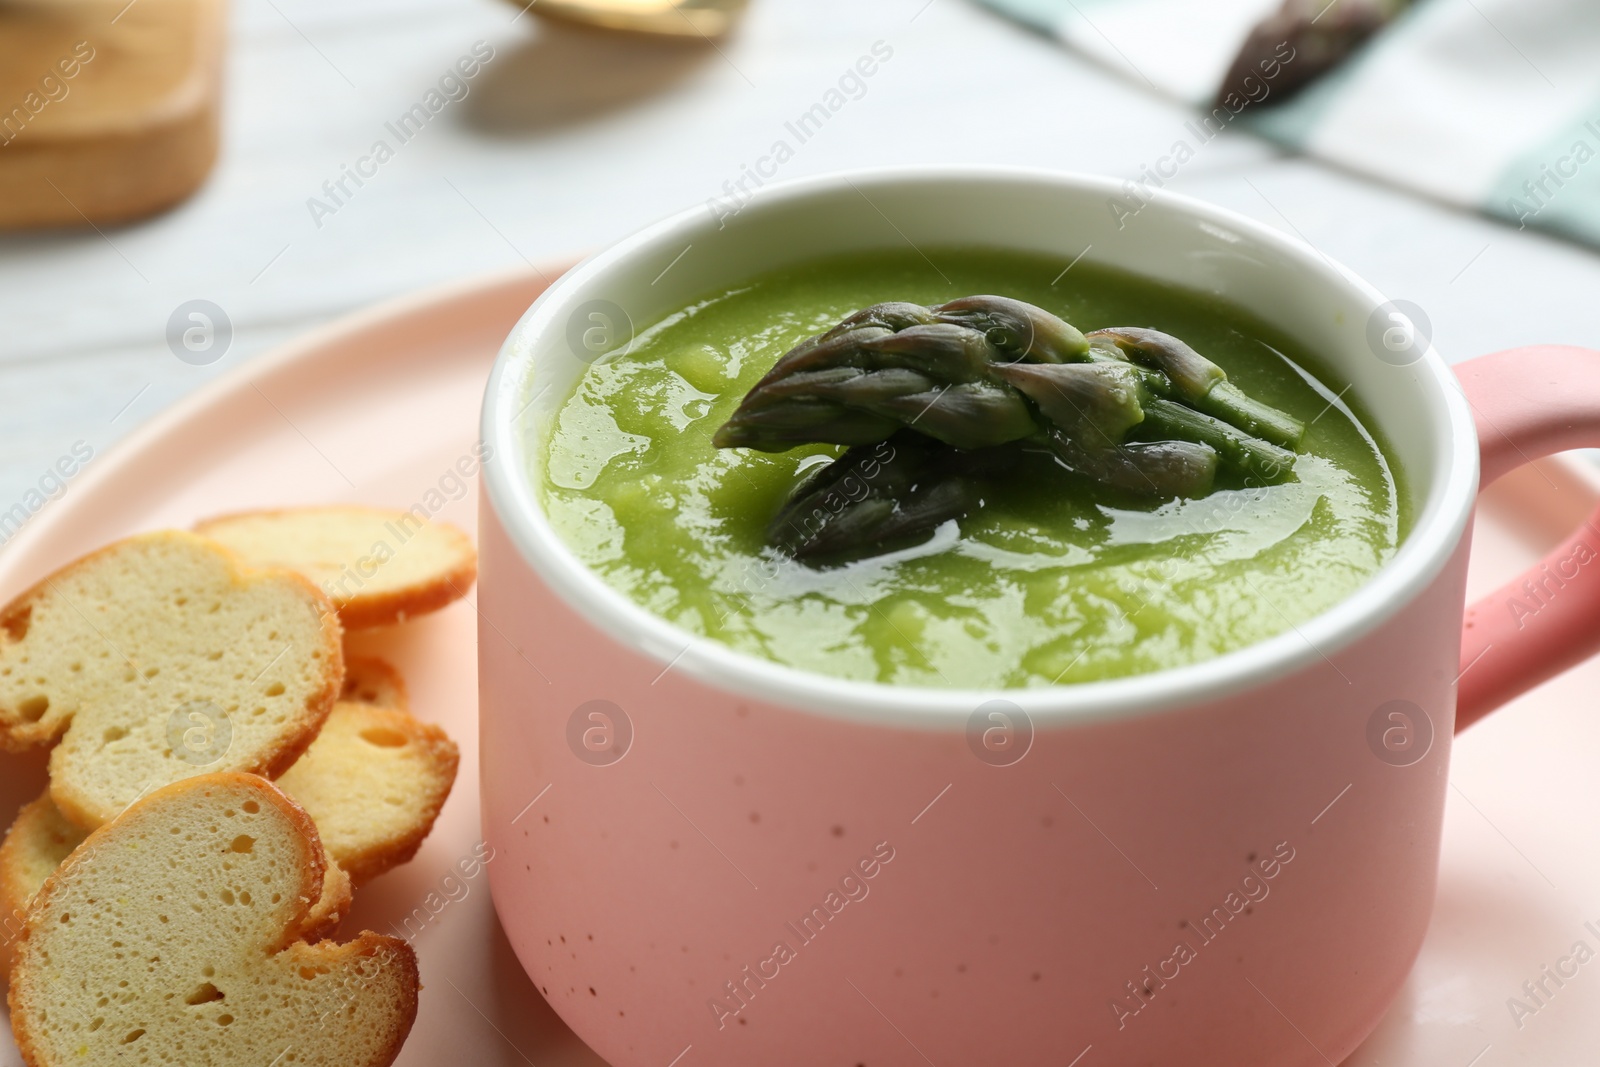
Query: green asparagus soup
[[1052, 581]]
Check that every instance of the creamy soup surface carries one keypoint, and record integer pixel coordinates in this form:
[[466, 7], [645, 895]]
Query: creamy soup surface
[[1050, 583]]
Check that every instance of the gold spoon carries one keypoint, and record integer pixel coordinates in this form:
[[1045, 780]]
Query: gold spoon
[[667, 18]]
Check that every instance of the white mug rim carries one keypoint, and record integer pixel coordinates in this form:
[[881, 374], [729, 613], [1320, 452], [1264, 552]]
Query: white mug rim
[[509, 492]]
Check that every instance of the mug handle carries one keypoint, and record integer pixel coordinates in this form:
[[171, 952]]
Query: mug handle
[[1528, 403]]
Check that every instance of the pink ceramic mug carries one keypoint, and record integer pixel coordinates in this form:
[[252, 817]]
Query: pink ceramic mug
[[709, 859]]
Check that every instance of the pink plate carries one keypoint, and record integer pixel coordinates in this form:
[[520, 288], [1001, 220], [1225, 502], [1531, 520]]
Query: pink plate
[[378, 409]]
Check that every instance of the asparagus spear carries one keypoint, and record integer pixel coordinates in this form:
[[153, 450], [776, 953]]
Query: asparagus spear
[[1160, 469], [1260, 459], [1091, 407], [1299, 43], [1098, 404], [887, 366], [878, 497], [858, 386], [874, 497], [1130, 408], [952, 344], [1018, 329], [1101, 401], [1198, 382], [1191, 374], [894, 315]]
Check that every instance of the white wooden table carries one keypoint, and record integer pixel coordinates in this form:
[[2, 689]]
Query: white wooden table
[[568, 139]]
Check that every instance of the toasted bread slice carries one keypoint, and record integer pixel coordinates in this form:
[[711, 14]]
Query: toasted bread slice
[[33, 848], [374, 782], [370, 680], [41, 839], [332, 906], [160, 657], [174, 935], [379, 567]]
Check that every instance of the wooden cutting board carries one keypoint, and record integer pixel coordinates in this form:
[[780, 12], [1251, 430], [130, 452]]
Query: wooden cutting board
[[109, 110]]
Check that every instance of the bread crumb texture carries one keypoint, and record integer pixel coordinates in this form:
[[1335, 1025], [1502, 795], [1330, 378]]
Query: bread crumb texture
[[158, 658], [172, 937], [378, 566]]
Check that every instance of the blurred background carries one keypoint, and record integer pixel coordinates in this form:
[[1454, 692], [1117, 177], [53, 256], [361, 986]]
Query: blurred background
[[515, 141]]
